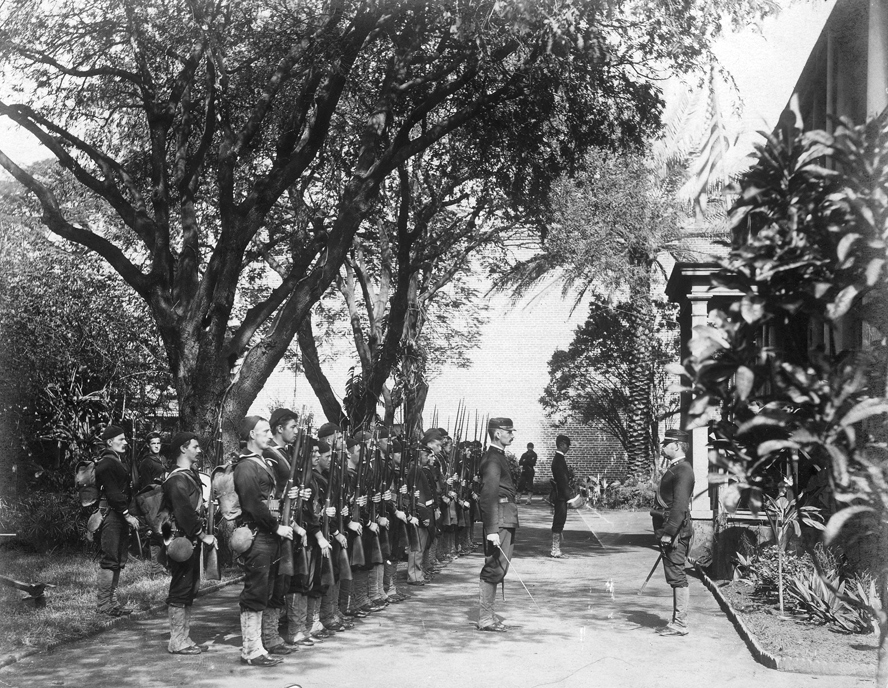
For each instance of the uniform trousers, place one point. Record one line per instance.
(260, 568)
(185, 581)
(495, 564)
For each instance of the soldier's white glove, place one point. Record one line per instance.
(355, 526)
(342, 540)
(374, 528)
(383, 522)
(330, 512)
(377, 497)
(387, 496)
(401, 515)
(285, 532)
(361, 501)
(414, 520)
(403, 489)
(494, 538)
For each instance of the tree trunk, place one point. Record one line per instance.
(311, 366)
(640, 414)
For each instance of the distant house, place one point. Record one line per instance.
(846, 75)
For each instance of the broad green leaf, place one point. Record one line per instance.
(676, 369)
(699, 405)
(842, 303)
(838, 520)
(730, 498)
(771, 446)
(873, 271)
(752, 308)
(864, 409)
(744, 379)
(845, 245)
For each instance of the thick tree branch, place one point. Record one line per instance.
(53, 218)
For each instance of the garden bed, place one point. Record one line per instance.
(798, 644)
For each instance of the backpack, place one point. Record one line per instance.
(152, 507)
(222, 481)
(85, 482)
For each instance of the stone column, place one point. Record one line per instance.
(700, 507)
(877, 59)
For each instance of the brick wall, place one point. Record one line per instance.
(593, 451)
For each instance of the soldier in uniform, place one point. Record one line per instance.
(184, 497)
(499, 515)
(674, 530)
(527, 464)
(115, 487)
(422, 518)
(561, 493)
(277, 455)
(152, 469)
(255, 483)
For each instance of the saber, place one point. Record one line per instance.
(519, 577)
(600, 541)
(653, 568)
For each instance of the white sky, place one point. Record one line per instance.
(509, 370)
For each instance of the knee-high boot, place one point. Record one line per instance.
(487, 597)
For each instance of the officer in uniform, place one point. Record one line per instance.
(255, 483)
(115, 487)
(561, 493)
(152, 469)
(674, 530)
(499, 515)
(183, 496)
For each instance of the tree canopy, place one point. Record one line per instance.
(214, 139)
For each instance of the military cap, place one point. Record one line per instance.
(281, 416)
(323, 447)
(328, 429)
(153, 435)
(500, 424)
(432, 435)
(246, 426)
(112, 431)
(351, 442)
(395, 446)
(179, 440)
(383, 433)
(362, 436)
(675, 436)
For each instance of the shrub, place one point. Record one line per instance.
(633, 494)
(44, 521)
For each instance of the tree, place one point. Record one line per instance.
(607, 228)
(590, 379)
(810, 231)
(76, 347)
(205, 131)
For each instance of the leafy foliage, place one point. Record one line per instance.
(811, 233)
(590, 380)
(77, 348)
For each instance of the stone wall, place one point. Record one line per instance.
(593, 451)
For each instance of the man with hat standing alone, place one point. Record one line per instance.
(561, 493)
(674, 530)
(499, 515)
(255, 483)
(184, 496)
(115, 487)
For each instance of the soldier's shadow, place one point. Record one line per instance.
(644, 618)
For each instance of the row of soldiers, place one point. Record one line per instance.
(321, 523)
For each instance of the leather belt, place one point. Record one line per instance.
(430, 502)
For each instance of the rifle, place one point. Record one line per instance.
(287, 566)
(305, 481)
(376, 556)
(337, 483)
(328, 576)
(210, 553)
(357, 557)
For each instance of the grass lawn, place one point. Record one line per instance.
(70, 607)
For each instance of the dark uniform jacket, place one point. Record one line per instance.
(254, 483)
(152, 469)
(560, 477)
(674, 494)
(279, 459)
(113, 480)
(425, 503)
(184, 496)
(528, 461)
(497, 497)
